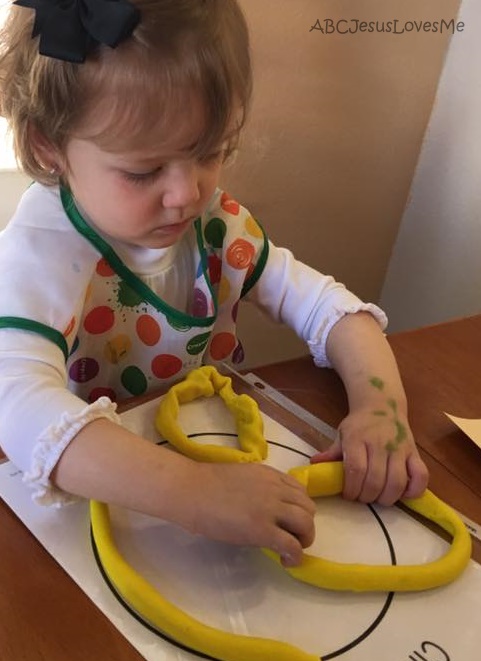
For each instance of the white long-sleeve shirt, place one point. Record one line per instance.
(52, 263)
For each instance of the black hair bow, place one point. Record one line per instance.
(70, 29)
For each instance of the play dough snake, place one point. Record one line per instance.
(320, 480)
(204, 382)
(171, 620)
(327, 480)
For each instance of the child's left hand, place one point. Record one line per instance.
(381, 461)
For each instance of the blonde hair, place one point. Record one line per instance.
(181, 50)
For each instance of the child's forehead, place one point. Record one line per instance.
(135, 126)
(143, 133)
(180, 133)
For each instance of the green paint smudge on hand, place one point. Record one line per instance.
(392, 404)
(401, 431)
(377, 382)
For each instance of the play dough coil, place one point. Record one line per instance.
(169, 619)
(327, 480)
(204, 382)
(323, 479)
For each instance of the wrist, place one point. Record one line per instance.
(376, 394)
(177, 493)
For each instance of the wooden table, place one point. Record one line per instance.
(44, 616)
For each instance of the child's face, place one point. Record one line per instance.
(149, 197)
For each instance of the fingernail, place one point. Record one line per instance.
(286, 559)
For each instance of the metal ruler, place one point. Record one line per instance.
(276, 396)
(473, 528)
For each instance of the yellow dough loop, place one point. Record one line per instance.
(204, 382)
(326, 479)
(169, 619)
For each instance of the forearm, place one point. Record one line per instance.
(65, 446)
(381, 461)
(237, 503)
(107, 462)
(307, 301)
(360, 353)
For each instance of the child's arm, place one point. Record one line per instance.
(381, 461)
(44, 426)
(237, 503)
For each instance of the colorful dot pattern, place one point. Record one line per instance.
(124, 346)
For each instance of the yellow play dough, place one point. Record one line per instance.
(327, 480)
(172, 621)
(204, 382)
(323, 479)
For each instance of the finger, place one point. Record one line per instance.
(333, 453)
(355, 468)
(375, 478)
(396, 480)
(300, 500)
(290, 481)
(288, 548)
(296, 494)
(418, 476)
(284, 478)
(296, 521)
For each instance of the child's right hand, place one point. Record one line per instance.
(254, 505)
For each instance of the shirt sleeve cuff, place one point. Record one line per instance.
(52, 443)
(317, 346)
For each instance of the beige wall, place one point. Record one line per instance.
(435, 270)
(334, 136)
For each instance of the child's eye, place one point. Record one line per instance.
(141, 177)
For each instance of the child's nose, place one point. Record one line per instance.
(182, 185)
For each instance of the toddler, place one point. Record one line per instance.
(124, 264)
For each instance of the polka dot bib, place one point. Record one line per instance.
(127, 340)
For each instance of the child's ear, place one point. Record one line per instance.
(46, 154)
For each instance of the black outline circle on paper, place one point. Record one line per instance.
(325, 657)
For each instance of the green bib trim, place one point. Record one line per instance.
(20, 323)
(133, 281)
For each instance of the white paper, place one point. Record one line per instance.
(470, 426)
(240, 590)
